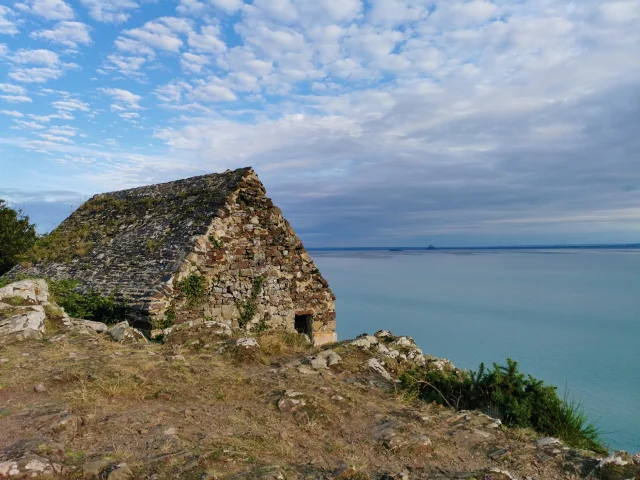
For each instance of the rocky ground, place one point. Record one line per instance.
(78, 401)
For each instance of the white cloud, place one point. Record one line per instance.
(65, 130)
(461, 14)
(620, 12)
(48, 66)
(3, 49)
(213, 91)
(61, 115)
(12, 113)
(395, 12)
(172, 92)
(71, 105)
(35, 57)
(16, 98)
(22, 124)
(124, 98)
(191, 7)
(208, 40)
(128, 66)
(229, 6)
(242, 82)
(129, 45)
(129, 115)
(7, 26)
(55, 138)
(70, 34)
(35, 74)
(12, 89)
(110, 11)
(329, 11)
(193, 63)
(49, 9)
(371, 45)
(162, 33)
(243, 59)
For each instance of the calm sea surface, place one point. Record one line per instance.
(569, 317)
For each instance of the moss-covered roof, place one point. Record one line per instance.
(131, 239)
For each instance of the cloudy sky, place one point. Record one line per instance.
(371, 122)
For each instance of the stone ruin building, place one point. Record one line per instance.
(212, 247)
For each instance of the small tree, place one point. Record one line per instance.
(17, 235)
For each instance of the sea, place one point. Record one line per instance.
(568, 317)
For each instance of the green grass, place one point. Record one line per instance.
(519, 400)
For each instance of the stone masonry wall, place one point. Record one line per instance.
(256, 242)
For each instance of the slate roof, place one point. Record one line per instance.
(131, 239)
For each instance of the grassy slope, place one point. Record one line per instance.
(216, 414)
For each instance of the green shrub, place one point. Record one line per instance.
(193, 287)
(90, 306)
(519, 400)
(17, 236)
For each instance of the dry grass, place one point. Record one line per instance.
(213, 414)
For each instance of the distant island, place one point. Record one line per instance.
(496, 247)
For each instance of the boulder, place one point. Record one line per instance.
(405, 342)
(121, 472)
(123, 333)
(375, 365)
(26, 323)
(34, 291)
(547, 441)
(289, 402)
(94, 468)
(30, 465)
(97, 327)
(247, 342)
(333, 358)
(383, 334)
(365, 341)
(324, 360)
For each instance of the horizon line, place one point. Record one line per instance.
(493, 247)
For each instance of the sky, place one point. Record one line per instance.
(371, 123)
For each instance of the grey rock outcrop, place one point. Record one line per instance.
(123, 333)
(97, 327)
(22, 313)
(375, 365)
(25, 324)
(34, 291)
(247, 342)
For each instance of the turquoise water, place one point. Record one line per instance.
(569, 317)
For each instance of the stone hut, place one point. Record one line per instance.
(208, 247)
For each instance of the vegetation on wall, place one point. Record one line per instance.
(167, 321)
(215, 242)
(517, 399)
(193, 287)
(249, 307)
(17, 235)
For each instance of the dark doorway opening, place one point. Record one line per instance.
(304, 324)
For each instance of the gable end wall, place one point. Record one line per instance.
(257, 241)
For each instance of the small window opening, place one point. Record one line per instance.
(304, 324)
